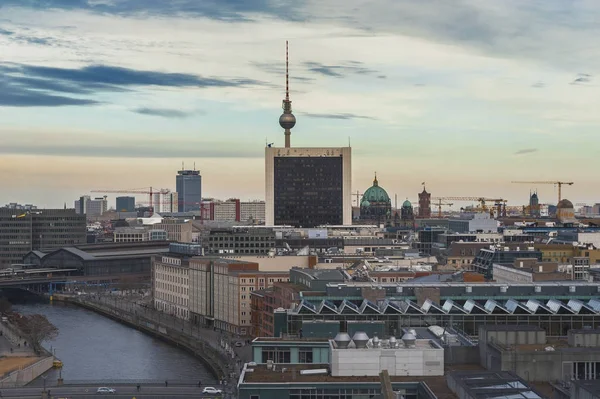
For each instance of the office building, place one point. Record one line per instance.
(308, 187)
(23, 231)
(85, 205)
(240, 240)
(125, 204)
(189, 190)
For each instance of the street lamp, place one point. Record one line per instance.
(44, 378)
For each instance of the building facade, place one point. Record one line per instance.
(424, 204)
(189, 190)
(85, 205)
(308, 187)
(125, 204)
(240, 241)
(24, 231)
(171, 285)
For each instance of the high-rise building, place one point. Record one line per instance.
(189, 190)
(306, 187)
(165, 202)
(125, 204)
(91, 207)
(24, 231)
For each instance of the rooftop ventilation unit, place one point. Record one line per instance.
(409, 340)
(538, 288)
(504, 288)
(469, 289)
(572, 288)
(376, 342)
(393, 342)
(360, 339)
(342, 340)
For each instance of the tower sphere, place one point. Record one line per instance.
(287, 121)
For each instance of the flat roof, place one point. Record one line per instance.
(491, 384)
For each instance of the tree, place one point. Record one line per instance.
(36, 329)
(5, 306)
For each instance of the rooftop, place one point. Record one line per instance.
(490, 384)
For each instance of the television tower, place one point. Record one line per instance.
(287, 120)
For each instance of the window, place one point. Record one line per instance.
(254, 397)
(305, 355)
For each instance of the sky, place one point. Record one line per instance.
(464, 95)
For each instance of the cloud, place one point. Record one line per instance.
(526, 151)
(155, 149)
(227, 10)
(5, 32)
(338, 71)
(344, 116)
(582, 78)
(163, 112)
(24, 83)
(538, 85)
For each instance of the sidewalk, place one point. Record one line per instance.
(18, 347)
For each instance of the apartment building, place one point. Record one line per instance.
(171, 285)
(234, 210)
(221, 288)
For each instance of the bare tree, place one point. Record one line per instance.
(36, 329)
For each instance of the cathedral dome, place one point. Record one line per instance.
(375, 194)
(406, 204)
(565, 203)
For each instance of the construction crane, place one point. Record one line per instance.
(498, 202)
(556, 183)
(439, 205)
(146, 190)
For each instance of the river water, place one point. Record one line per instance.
(93, 347)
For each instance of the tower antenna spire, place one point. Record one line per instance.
(287, 74)
(287, 120)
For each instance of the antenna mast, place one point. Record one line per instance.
(287, 120)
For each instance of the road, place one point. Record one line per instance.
(129, 392)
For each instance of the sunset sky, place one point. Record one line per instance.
(466, 95)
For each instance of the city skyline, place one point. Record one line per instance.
(115, 94)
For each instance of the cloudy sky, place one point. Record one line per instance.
(466, 95)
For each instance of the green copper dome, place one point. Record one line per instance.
(375, 194)
(406, 204)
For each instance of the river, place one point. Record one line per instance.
(93, 347)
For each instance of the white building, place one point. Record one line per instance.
(225, 211)
(171, 286)
(299, 181)
(165, 203)
(91, 207)
(252, 211)
(364, 356)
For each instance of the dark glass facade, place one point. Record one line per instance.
(308, 191)
(189, 190)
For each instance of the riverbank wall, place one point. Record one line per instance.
(218, 362)
(23, 374)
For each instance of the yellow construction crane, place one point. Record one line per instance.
(556, 183)
(439, 205)
(498, 202)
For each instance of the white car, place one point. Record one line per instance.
(106, 390)
(212, 391)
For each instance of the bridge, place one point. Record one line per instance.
(126, 389)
